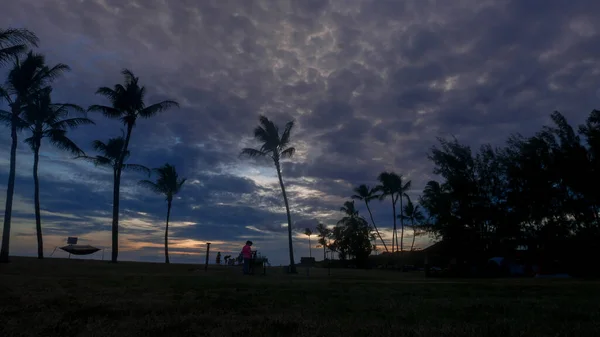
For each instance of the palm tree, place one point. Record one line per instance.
(169, 184)
(366, 194)
(412, 213)
(24, 82)
(49, 120)
(14, 42)
(389, 185)
(110, 155)
(127, 105)
(308, 232)
(404, 187)
(276, 147)
(324, 233)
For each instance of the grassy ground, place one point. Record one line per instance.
(57, 297)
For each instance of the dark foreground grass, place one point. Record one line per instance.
(56, 297)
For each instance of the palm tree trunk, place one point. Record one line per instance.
(115, 220)
(401, 225)
(292, 269)
(394, 230)
(116, 196)
(10, 189)
(375, 226)
(167, 232)
(309, 248)
(412, 246)
(36, 198)
(324, 252)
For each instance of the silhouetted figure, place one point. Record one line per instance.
(247, 256)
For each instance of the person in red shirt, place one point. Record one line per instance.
(247, 256)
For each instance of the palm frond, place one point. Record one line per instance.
(152, 186)
(106, 111)
(9, 53)
(98, 160)
(72, 123)
(154, 109)
(285, 137)
(4, 95)
(5, 117)
(31, 141)
(109, 93)
(289, 152)
(18, 36)
(137, 168)
(99, 146)
(59, 139)
(252, 153)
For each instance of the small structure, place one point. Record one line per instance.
(73, 248)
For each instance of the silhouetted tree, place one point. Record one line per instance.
(25, 80)
(308, 232)
(352, 235)
(45, 119)
(14, 42)
(366, 194)
(323, 233)
(413, 214)
(276, 147)
(110, 155)
(127, 105)
(391, 184)
(169, 184)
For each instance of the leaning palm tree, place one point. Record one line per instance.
(275, 146)
(168, 184)
(14, 42)
(308, 232)
(25, 80)
(45, 119)
(111, 155)
(413, 214)
(366, 194)
(127, 105)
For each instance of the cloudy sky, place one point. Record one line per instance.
(370, 84)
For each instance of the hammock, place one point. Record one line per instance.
(80, 249)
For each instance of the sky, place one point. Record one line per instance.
(369, 83)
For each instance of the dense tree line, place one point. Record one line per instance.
(540, 191)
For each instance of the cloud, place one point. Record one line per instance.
(370, 84)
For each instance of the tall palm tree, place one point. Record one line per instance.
(413, 214)
(111, 155)
(323, 233)
(45, 119)
(25, 80)
(127, 105)
(14, 42)
(366, 194)
(276, 147)
(404, 187)
(389, 185)
(308, 232)
(168, 184)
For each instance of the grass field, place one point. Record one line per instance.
(58, 297)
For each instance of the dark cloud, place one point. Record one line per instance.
(370, 83)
